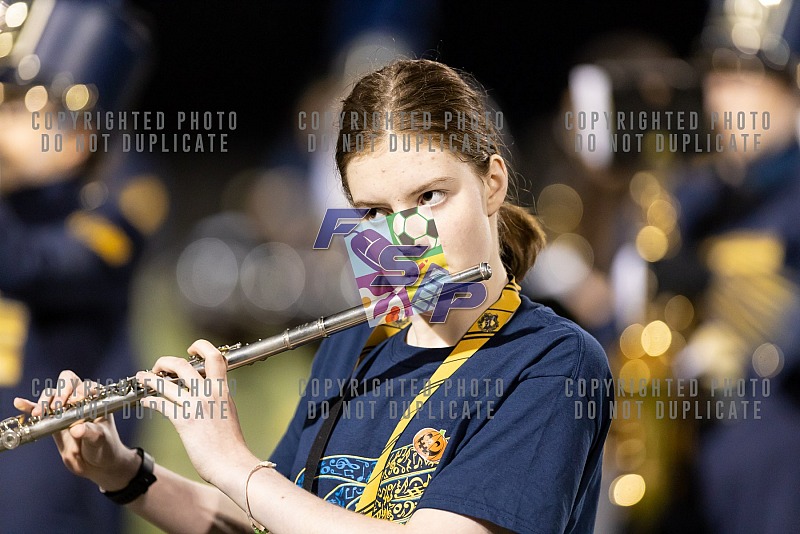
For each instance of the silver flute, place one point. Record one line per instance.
(105, 399)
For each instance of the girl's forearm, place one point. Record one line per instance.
(282, 506)
(178, 505)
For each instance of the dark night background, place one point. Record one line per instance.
(255, 58)
(228, 54)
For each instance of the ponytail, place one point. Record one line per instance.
(521, 239)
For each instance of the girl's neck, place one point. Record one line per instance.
(423, 333)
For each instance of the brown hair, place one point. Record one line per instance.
(444, 94)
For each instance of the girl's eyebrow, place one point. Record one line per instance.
(364, 204)
(427, 186)
(439, 180)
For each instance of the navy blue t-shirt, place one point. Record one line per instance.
(500, 440)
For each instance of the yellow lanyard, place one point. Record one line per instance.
(491, 321)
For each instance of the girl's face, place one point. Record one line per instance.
(464, 204)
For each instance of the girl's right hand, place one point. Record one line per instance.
(93, 449)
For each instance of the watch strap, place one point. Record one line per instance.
(139, 483)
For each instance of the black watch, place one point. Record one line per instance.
(138, 484)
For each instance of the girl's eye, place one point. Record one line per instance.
(376, 212)
(431, 198)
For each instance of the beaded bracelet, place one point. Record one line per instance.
(258, 528)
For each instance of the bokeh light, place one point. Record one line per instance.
(656, 338)
(560, 208)
(273, 276)
(36, 98)
(679, 312)
(768, 360)
(6, 44)
(208, 272)
(644, 188)
(563, 265)
(28, 67)
(652, 243)
(662, 214)
(630, 454)
(627, 490)
(630, 341)
(77, 97)
(16, 14)
(633, 373)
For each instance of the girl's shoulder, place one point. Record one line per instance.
(547, 344)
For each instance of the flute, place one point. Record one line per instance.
(16, 431)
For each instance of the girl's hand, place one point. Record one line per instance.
(200, 409)
(92, 450)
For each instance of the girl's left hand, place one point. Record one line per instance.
(200, 409)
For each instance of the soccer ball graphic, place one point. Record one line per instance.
(416, 227)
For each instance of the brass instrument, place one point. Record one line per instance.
(16, 431)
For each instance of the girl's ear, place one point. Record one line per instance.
(496, 184)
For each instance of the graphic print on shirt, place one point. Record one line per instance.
(408, 472)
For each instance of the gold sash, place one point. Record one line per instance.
(489, 323)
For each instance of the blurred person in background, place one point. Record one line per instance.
(73, 225)
(739, 266)
(585, 198)
(598, 206)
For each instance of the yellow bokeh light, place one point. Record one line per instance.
(36, 98)
(77, 97)
(652, 243)
(679, 312)
(663, 215)
(627, 490)
(16, 14)
(630, 454)
(560, 207)
(6, 44)
(630, 341)
(633, 373)
(656, 338)
(644, 188)
(678, 344)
